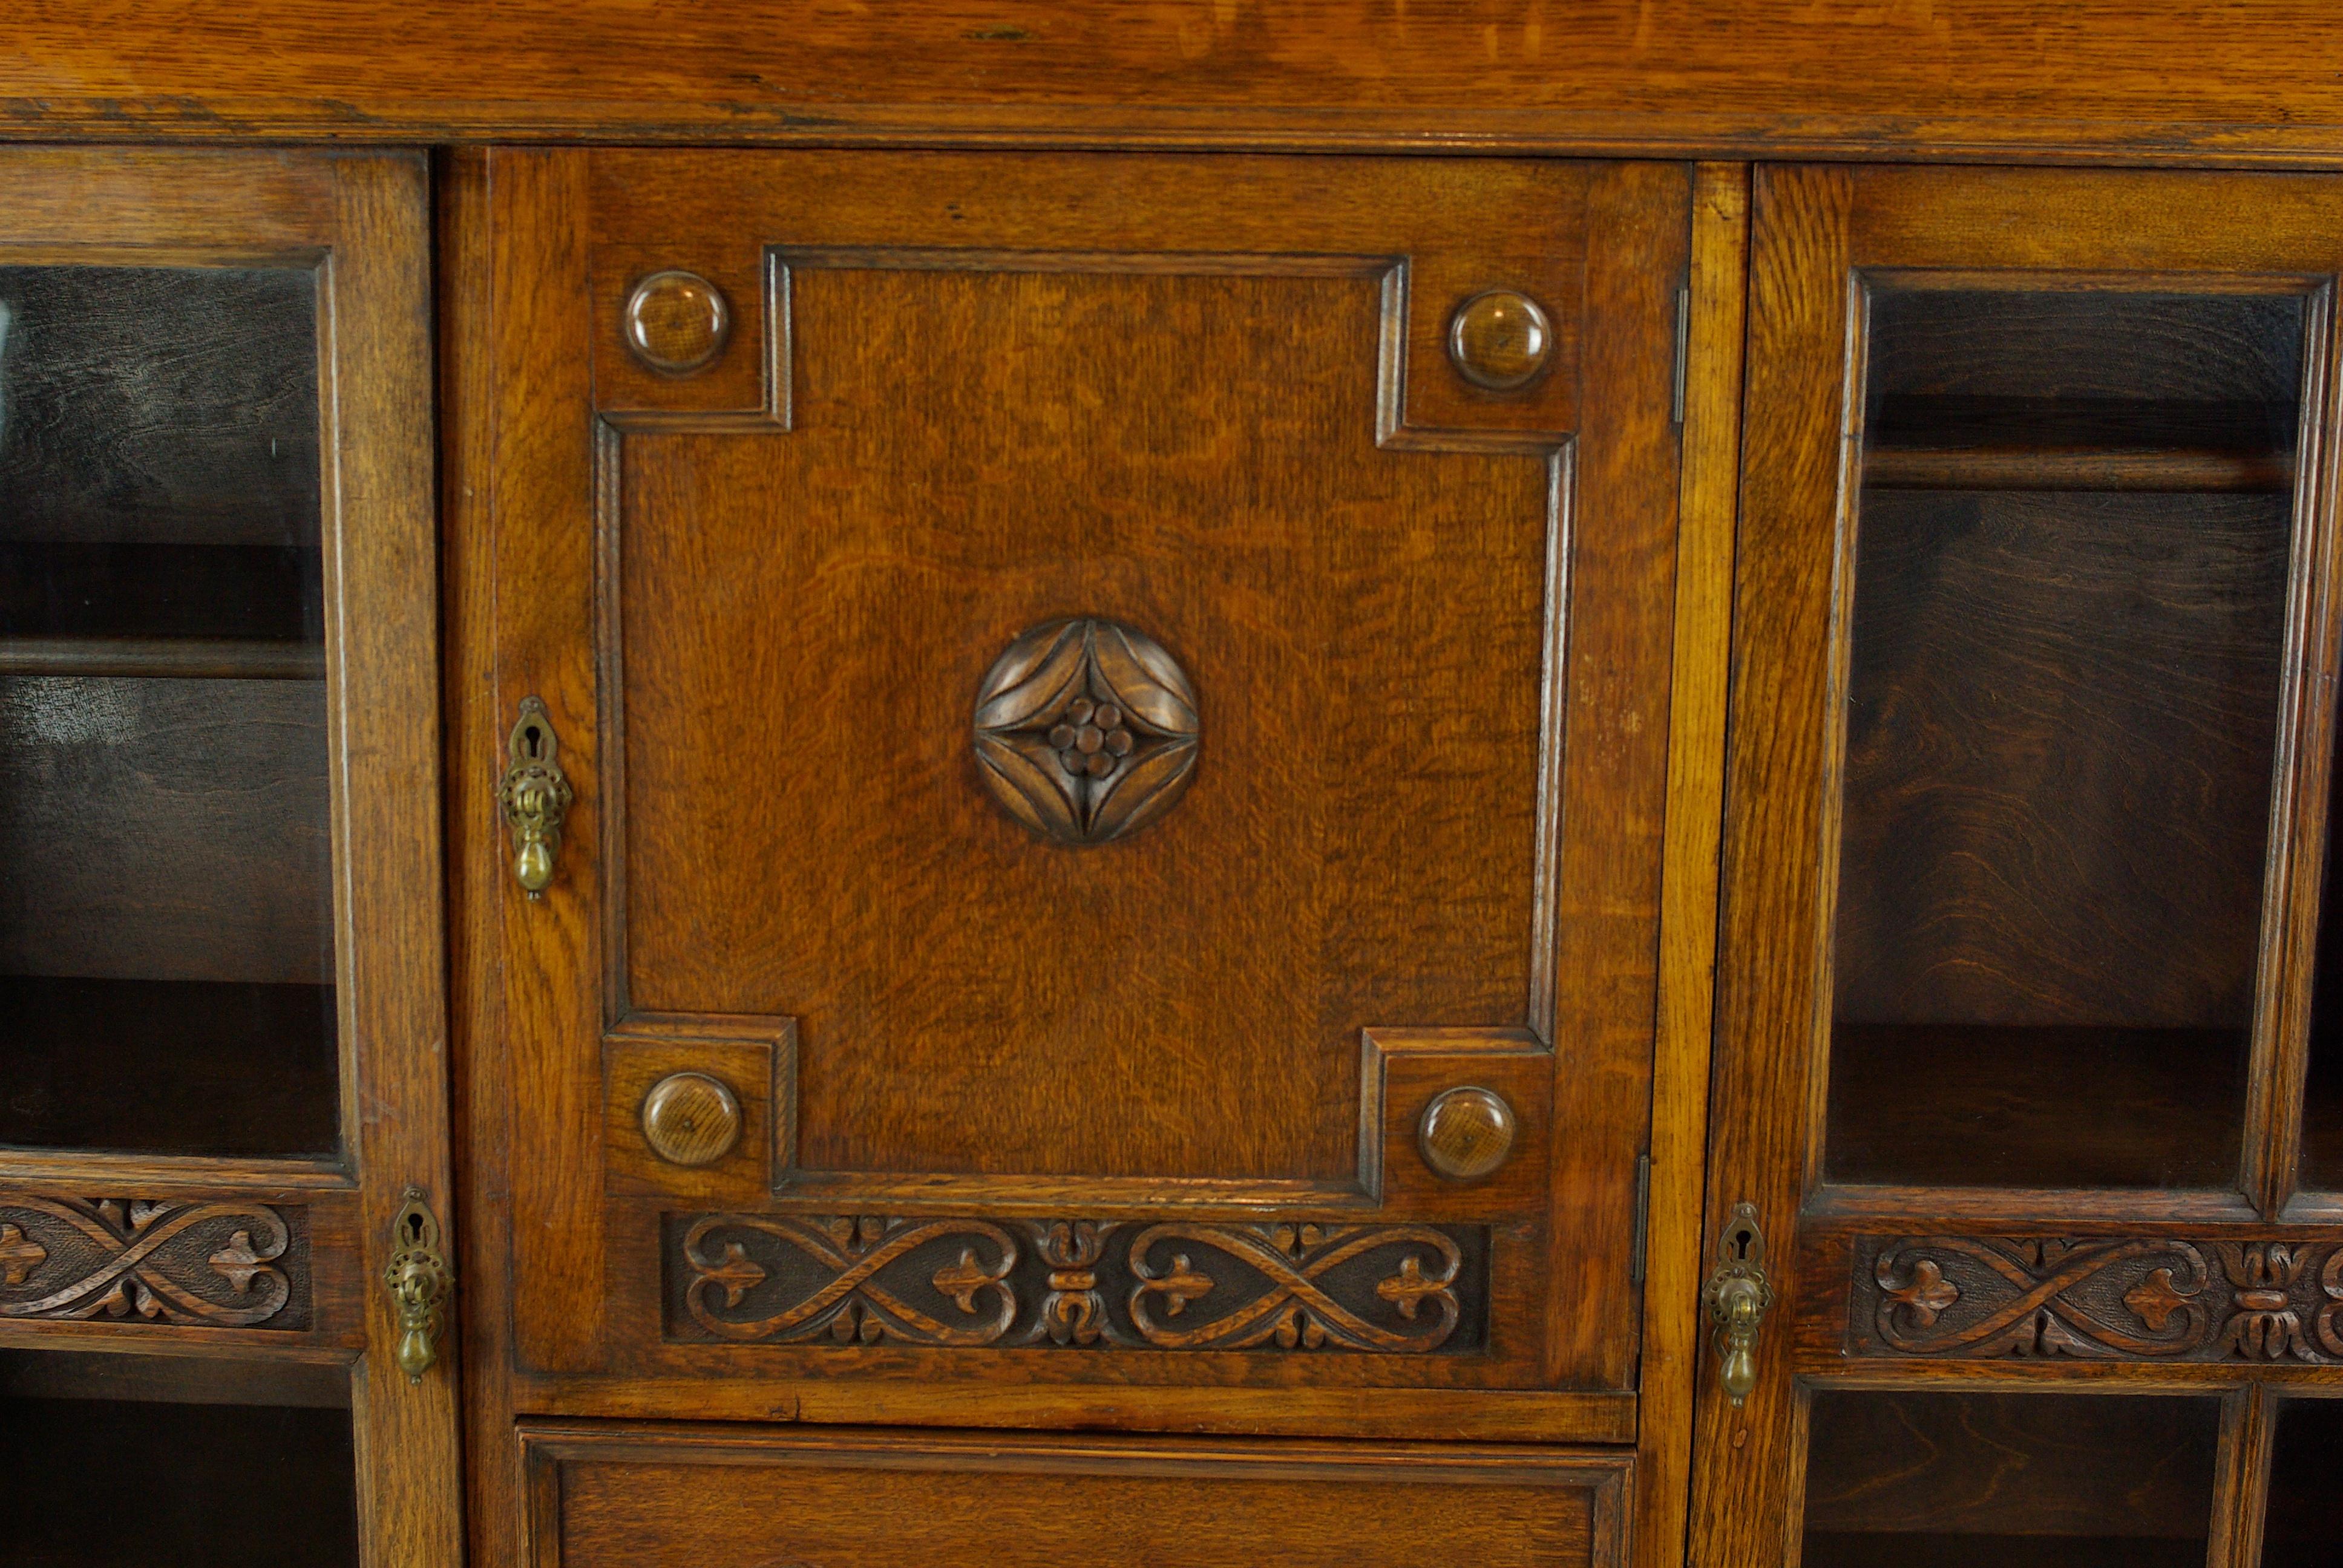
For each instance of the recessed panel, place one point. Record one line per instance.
(905, 1500)
(810, 616)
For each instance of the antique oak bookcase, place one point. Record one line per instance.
(1195, 783)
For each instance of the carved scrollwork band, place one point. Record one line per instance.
(215, 1264)
(2161, 1298)
(1077, 1283)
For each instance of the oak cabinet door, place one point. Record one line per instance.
(221, 990)
(1110, 718)
(2026, 830)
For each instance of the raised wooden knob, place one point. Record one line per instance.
(691, 1118)
(677, 322)
(1467, 1134)
(1500, 340)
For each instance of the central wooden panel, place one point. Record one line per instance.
(1102, 1109)
(807, 615)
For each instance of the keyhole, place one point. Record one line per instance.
(532, 741)
(411, 1230)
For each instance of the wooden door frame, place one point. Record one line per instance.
(362, 220)
(1815, 230)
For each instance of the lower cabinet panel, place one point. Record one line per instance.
(613, 1496)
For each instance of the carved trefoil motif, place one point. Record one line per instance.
(1086, 730)
(2161, 1298)
(213, 1264)
(1394, 1289)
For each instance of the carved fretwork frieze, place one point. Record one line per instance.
(212, 1264)
(1077, 1283)
(2149, 1297)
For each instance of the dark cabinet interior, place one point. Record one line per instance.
(198, 1462)
(2073, 539)
(2298, 1531)
(164, 803)
(2022, 1480)
(2322, 1101)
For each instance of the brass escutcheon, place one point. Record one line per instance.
(1738, 1296)
(535, 796)
(419, 1283)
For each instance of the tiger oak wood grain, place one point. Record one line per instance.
(601, 1495)
(1675, 1339)
(1957, 78)
(474, 725)
(1967, 1463)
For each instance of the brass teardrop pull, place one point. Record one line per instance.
(535, 796)
(1738, 1297)
(419, 1283)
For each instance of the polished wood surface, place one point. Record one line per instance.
(1162, 358)
(610, 1495)
(1956, 78)
(1676, 1258)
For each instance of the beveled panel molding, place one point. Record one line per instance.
(1082, 1283)
(2159, 1298)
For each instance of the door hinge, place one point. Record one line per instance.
(1683, 347)
(1643, 1219)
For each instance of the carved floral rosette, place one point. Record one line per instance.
(1394, 1289)
(2145, 1297)
(1086, 730)
(210, 1264)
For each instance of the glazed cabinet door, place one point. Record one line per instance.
(2022, 978)
(223, 1124)
(1066, 768)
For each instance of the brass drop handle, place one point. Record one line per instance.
(419, 1283)
(535, 795)
(1738, 1297)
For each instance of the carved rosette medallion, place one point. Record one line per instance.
(1079, 1283)
(217, 1265)
(2147, 1297)
(1085, 730)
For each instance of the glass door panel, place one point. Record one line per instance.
(2018, 1480)
(2321, 1167)
(2035, 632)
(2299, 1529)
(166, 922)
(2071, 556)
(226, 1463)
